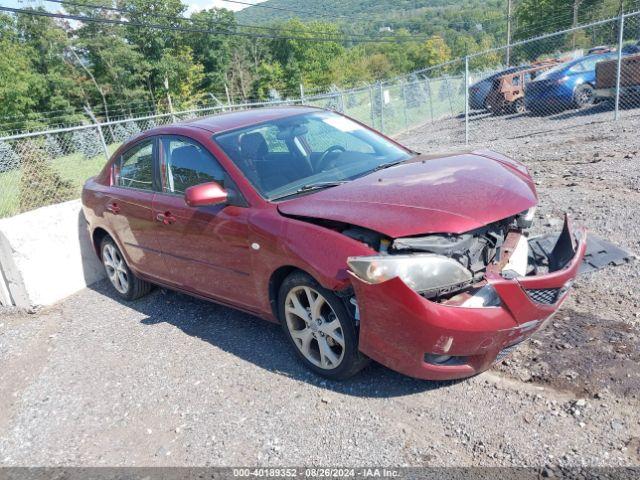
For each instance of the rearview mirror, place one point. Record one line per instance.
(210, 193)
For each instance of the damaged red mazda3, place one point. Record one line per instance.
(361, 248)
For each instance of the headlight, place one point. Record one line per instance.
(525, 219)
(421, 272)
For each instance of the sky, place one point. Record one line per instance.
(194, 5)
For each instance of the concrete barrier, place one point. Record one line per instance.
(46, 255)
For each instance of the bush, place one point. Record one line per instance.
(9, 160)
(52, 147)
(120, 133)
(87, 142)
(40, 184)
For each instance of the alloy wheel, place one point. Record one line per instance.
(314, 327)
(116, 268)
(585, 97)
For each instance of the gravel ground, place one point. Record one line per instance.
(171, 380)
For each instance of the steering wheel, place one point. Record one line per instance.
(325, 157)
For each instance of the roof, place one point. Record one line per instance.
(244, 118)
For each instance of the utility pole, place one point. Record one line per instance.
(509, 32)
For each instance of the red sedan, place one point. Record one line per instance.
(358, 246)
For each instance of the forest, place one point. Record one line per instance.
(128, 57)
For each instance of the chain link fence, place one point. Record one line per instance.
(556, 81)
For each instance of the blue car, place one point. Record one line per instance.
(479, 91)
(568, 85)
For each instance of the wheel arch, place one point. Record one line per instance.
(97, 236)
(275, 281)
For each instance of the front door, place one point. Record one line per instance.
(129, 209)
(205, 248)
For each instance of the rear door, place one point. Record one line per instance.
(129, 208)
(205, 248)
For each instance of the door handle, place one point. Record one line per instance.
(114, 208)
(165, 218)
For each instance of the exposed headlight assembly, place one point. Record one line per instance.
(423, 273)
(525, 219)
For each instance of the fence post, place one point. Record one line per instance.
(372, 107)
(381, 107)
(430, 97)
(446, 82)
(95, 120)
(226, 91)
(343, 105)
(619, 67)
(466, 100)
(404, 105)
(302, 94)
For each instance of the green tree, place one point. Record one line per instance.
(212, 51)
(47, 42)
(306, 62)
(183, 75)
(433, 51)
(20, 85)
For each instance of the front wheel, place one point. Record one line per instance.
(123, 280)
(584, 96)
(320, 328)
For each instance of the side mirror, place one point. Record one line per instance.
(205, 194)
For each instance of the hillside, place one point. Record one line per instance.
(410, 14)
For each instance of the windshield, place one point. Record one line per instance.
(552, 71)
(290, 155)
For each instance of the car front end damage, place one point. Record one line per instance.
(443, 307)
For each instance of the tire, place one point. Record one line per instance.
(518, 106)
(584, 96)
(316, 338)
(124, 282)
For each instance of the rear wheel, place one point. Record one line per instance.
(584, 96)
(123, 280)
(320, 328)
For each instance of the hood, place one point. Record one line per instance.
(427, 194)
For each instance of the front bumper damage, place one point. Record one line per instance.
(404, 331)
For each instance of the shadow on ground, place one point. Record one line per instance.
(260, 342)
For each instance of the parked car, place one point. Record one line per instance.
(479, 91)
(569, 85)
(360, 247)
(631, 49)
(507, 92)
(600, 49)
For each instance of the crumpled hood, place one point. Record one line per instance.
(427, 194)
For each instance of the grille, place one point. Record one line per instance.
(506, 351)
(548, 296)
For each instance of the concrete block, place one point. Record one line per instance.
(46, 255)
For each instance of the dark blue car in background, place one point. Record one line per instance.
(569, 85)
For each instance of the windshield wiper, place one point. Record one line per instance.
(310, 187)
(319, 185)
(387, 165)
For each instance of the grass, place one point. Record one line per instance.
(73, 167)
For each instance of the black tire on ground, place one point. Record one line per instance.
(352, 360)
(518, 106)
(135, 287)
(584, 96)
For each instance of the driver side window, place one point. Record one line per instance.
(186, 163)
